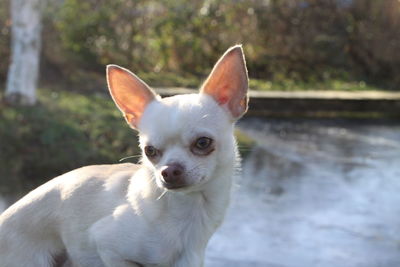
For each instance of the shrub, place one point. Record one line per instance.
(62, 132)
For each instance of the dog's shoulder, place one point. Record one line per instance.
(84, 181)
(106, 171)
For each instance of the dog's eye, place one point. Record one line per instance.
(150, 151)
(203, 146)
(203, 143)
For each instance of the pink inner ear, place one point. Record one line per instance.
(223, 100)
(131, 94)
(223, 96)
(228, 82)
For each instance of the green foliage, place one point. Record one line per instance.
(302, 41)
(192, 34)
(286, 42)
(150, 35)
(101, 32)
(64, 131)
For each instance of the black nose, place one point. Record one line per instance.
(173, 175)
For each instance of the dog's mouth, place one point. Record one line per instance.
(183, 187)
(170, 186)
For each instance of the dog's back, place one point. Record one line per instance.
(44, 209)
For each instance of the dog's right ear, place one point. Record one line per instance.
(228, 82)
(129, 92)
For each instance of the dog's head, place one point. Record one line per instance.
(186, 139)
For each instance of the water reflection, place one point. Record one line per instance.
(315, 193)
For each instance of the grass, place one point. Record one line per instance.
(283, 84)
(172, 80)
(328, 85)
(65, 130)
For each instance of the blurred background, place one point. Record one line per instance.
(320, 144)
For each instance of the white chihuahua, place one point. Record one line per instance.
(159, 213)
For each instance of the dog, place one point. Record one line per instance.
(161, 212)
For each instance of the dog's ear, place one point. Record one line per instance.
(129, 92)
(228, 82)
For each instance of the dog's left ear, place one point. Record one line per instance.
(228, 82)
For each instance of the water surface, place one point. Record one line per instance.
(315, 193)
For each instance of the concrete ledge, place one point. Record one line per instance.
(315, 103)
(363, 95)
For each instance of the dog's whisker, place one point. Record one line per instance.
(162, 194)
(195, 168)
(134, 156)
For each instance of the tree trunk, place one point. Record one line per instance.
(23, 72)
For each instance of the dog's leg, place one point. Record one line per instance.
(111, 259)
(67, 263)
(190, 259)
(111, 242)
(123, 263)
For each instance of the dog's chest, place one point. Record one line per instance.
(183, 228)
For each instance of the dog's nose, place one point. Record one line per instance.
(173, 175)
